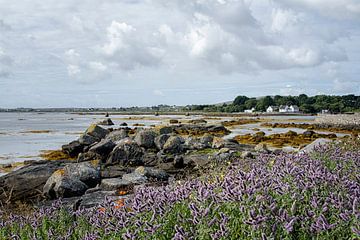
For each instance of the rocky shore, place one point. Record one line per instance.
(112, 162)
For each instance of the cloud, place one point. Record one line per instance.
(129, 48)
(4, 26)
(343, 9)
(6, 63)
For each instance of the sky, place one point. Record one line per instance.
(112, 53)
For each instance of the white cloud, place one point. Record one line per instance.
(129, 48)
(73, 70)
(158, 92)
(6, 63)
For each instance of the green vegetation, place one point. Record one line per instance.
(314, 104)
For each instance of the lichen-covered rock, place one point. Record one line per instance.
(113, 184)
(97, 131)
(262, 148)
(161, 140)
(126, 153)
(26, 183)
(103, 148)
(87, 139)
(73, 148)
(117, 135)
(73, 180)
(135, 178)
(145, 138)
(106, 122)
(173, 145)
(152, 173)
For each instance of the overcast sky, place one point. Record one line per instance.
(129, 52)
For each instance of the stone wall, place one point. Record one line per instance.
(338, 119)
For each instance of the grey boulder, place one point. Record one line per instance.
(126, 153)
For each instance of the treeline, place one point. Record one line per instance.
(313, 104)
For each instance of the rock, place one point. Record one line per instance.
(173, 145)
(149, 172)
(6, 165)
(62, 186)
(198, 121)
(192, 143)
(174, 121)
(207, 140)
(113, 171)
(218, 143)
(73, 148)
(145, 138)
(103, 148)
(291, 134)
(308, 133)
(87, 139)
(73, 180)
(165, 130)
(117, 135)
(113, 184)
(26, 183)
(135, 178)
(85, 172)
(97, 131)
(161, 140)
(179, 162)
(106, 122)
(124, 124)
(262, 148)
(150, 158)
(224, 150)
(127, 153)
(312, 146)
(88, 156)
(246, 154)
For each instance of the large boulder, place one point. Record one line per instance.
(61, 186)
(173, 145)
(88, 156)
(103, 148)
(106, 122)
(145, 138)
(262, 148)
(73, 148)
(113, 184)
(152, 173)
(135, 178)
(161, 140)
(26, 183)
(207, 140)
(87, 140)
(97, 131)
(73, 180)
(165, 130)
(126, 153)
(117, 135)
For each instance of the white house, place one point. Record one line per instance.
(289, 109)
(250, 110)
(271, 109)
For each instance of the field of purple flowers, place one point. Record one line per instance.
(286, 196)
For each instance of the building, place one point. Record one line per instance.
(289, 109)
(250, 110)
(271, 109)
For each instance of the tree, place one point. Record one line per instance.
(264, 103)
(240, 100)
